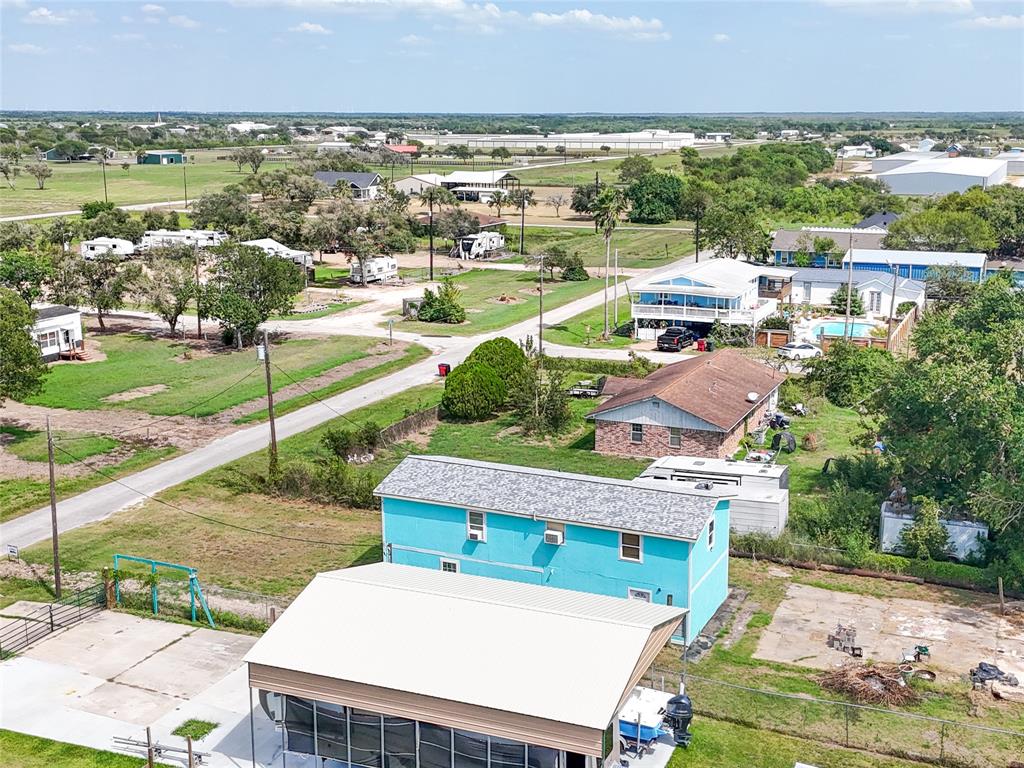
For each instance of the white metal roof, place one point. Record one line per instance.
(729, 276)
(275, 248)
(534, 650)
(476, 177)
(957, 166)
(920, 258)
(719, 466)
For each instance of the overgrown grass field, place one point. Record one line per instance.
(638, 248)
(585, 329)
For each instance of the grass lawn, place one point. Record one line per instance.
(138, 360)
(30, 445)
(13, 589)
(584, 330)
(21, 751)
(24, 494)
(570, 175)
(481, 289)
(331, 309)
(638, 249)
(197, 729)
(330, 277)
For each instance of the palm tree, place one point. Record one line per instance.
(609, 207)
(499, 200)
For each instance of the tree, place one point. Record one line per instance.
(473, 391)
(225, 210)
(11, 153)
(838, 301)
(94, 208)
(584, 196)
(560, 150)
(655, 198)
(540, 401)
(949, 284)
(249, 286)
(254, 157)
(25, 272)
(926, 538)
(60, 232)
(69, 149)
(609, 207)
(500, 153)
(105, 283)
(521, 198)
(126, 167)
(115, 223)
(40, 172)
(10, 171)
(634, 168)
(695, 199)
(541, 149)
(461, 152)
(21, 368)
(15, 235)
(558, 202)
(505, 358)
(499, 199)
(605, 148)
(734, 228)
(238, 158)
(848, 375)
(445, 306)
(455, 223)
(690, 158)
(934, 229)
(170, 285)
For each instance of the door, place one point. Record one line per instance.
(875, 301)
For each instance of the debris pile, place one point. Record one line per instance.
(869, 684)
(985, 672)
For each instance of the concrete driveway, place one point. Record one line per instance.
(115, 674)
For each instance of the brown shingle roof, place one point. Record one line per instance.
(712, 387)
(791, 239)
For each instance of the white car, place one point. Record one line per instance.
(799, 350)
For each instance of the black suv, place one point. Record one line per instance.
(676, 338)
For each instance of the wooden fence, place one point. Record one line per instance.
(772, 337)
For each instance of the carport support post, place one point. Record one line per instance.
(252, 731)
(53, 512)
(149, 748)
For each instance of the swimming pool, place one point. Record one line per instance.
(838, 328)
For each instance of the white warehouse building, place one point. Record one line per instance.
(650, 140)
(944, 175)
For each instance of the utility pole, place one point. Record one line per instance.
(522, 222)
(540, 320)
(597, 191)
(199, 309)
(53, 512)
(615, 293)
(184, 177)
(892, 309)
(103, 165)
(431, 216)
(847, 330)
(270, 405)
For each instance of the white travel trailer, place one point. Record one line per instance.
(379, 269)
(478, 246)
(761, 501)
(273, 248)
(107, 246)
(194, 238)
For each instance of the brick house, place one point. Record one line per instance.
(702, 406)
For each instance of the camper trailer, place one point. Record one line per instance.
(107, 247)
(193, 238)
(478, 246)
(378, 269)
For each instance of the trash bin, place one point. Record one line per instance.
(709, 345)
(443, 369)
(701, 345)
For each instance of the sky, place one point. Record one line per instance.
(507, 56)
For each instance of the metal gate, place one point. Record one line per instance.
(18, 634)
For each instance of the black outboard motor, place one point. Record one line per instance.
(679, 714)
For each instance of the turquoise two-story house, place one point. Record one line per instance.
(642, 540)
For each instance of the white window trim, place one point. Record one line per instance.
(483, 524)
(445, 561)
(632, 432)
(648, 592)
(639, 546)
(675, 437)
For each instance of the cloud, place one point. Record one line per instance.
(414, 40)
(43, 15)
(26, 48)
(128, 37)
(310, 28)
(150, 8)
(581, 18)
(183, 21)
(890, 7)
(995, 22)
(720, 37)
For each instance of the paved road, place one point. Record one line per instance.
(103, 501)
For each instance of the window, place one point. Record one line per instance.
(476, 526)
(636, 433)
(675, 437)
(399, 742)
(331, 731)
(298, 724)
(450, 566)
(48, 339)
(629, 546)
(435, 746)
(470, 750)
(711, 534)
(365, 736)
(638, 594)
(875, 301)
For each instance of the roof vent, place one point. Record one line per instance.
(705, 485)
(752, 397)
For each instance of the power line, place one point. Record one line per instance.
(191, 407)
(206, 518)
(314, 396)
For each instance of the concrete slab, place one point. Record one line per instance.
(108, 644)
(959, 637)
(126, 703)
(21, 608)
(187, 666)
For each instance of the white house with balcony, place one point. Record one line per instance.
(724, 290)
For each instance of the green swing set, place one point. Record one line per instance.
(194, 590)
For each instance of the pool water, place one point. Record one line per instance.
(838, 328)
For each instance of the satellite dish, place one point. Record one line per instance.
(752, 397)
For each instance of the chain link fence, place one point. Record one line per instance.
(873, 729)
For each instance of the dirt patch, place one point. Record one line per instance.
(134, 394)
(739, 624)
(505, 299)
(377, 355)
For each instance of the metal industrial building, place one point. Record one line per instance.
(944, 175)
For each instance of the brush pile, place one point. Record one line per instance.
(869, 684)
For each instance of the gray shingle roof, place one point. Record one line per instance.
(561, 496)
(54, 310)
(792, 239)
(356, 179)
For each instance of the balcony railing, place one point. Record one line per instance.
(745, 316)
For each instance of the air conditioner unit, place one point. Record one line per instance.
(554, 537)
(476, 536)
